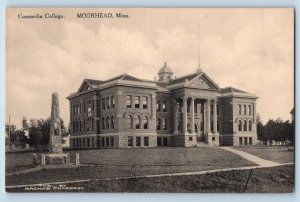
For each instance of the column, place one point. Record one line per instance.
(203, 105)
(153, 106)
(175, 116)
(215, 116)
(184, 122)
(193, 115)
(208, 115)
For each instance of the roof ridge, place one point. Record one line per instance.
(184, 76)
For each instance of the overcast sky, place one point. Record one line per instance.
(249, 49)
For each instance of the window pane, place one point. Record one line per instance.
(128, 101)
(137, 102)
(145, 102)
(130, 141)
(138, 141)
(138, 122)
(164, 106)
(146, 141)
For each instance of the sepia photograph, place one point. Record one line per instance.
(150, 100)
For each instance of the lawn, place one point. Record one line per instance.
(110, 163)
(279, 154)
(263, 180)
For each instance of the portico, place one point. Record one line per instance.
(195, 120)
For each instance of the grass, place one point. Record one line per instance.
(264, 180)
(109, 163)
(279, 154)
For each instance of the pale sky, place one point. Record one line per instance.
(249, 49)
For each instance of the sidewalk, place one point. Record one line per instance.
(259, 161)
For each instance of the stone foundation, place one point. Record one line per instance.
(212, 139)
(55, 159)
(189, 140)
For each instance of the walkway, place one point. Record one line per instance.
(259, 161)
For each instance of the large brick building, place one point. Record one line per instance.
(192, 110)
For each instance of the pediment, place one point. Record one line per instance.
(202, 81)
(85, 86)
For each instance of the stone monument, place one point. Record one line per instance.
(56, 155)
(55, 144)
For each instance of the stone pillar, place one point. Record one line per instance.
(215, 119)
(175, 116)
(208, 115)
(43, 161)
(184, 121)
(153, 106)
(203, 105)
(76, 158)
(193, 115)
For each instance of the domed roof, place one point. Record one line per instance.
(165, 69)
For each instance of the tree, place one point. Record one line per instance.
(259, 126)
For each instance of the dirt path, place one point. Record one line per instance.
(259, 161)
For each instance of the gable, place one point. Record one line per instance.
(85, 86)
(202, 81)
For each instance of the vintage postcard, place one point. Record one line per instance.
(150, 100)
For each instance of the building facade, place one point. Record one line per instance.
(125, 112)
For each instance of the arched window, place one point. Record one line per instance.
(145, 123)
(138, 122)
(107, 123)
(245, 125)
(112, 119)
(89, 111)
(240, 125)
(196, 128)
(129, 121)
(158, 123)
(103, 123)
(250, 125)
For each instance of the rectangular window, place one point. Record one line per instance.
(130, 141)
(164, 124)
(250, 140)
(108, 102)
(136, 102)
(157, 105)
(249, 109)
(213, 138)
(164, 106)
(146, 141)
(102, 142)
(211, 109)
(128, 101)
(165, 141)
(190, 138)
(245, 140)
(107, 142)
(88, 142)
(245, 109)
(145, 102)
(159, 141)
(83, 142)
(103, 103)
(138, 141)
(218, 125)
(240, 140)
(218, 110)
(240, 109)
(112, 102)
(93, 142)
(112, 141)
